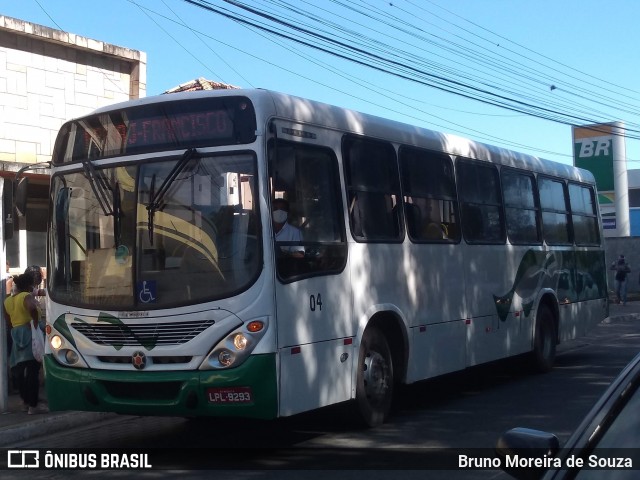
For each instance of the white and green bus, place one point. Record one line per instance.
(418, 254)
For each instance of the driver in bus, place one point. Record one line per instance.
(283, 230)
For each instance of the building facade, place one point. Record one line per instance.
(47, 77)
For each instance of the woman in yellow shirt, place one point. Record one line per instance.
(20, 310)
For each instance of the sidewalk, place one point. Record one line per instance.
(631, 309)
(16, 426)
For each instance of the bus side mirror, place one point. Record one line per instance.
(7, 208)
(21, 196)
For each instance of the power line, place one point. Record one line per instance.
(540, 78)
(398, 68)
(556, 83)
(207, 45)
(431, 116)
(47, 14)
(144, 11)
(411, 107)
(532, 51)
(482, 59)
(388, 59)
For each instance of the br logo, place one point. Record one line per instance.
(595, 148)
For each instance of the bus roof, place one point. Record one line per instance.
(272, 104)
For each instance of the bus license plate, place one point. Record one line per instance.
(230, 395)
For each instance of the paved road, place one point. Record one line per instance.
(468, 409)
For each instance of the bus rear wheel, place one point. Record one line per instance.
(374, 388)
(544, 343)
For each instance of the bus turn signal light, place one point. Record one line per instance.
(255, 326)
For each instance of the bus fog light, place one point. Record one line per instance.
(225, 357)
(56, 342)
(240, 341)
(71, 357)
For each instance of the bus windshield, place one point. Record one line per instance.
(115, 243)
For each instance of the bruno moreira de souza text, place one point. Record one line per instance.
(516, 461)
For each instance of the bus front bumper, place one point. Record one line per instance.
(249, 390)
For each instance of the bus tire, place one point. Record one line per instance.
(374, 387)
(544, 342)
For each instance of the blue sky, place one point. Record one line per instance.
(569, 55)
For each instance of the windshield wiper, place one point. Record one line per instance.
(108, 198)
(116, 213)
(150, 210)
(156, 198)
(99, 187)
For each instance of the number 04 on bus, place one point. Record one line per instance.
(249, 253)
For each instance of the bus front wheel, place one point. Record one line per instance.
(374, 388)
(544, 342)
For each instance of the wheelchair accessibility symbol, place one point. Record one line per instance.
(147, 291)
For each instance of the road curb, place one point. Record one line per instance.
(48, 424)
(625, 317)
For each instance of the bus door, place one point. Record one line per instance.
(312, 285)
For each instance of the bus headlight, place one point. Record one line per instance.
(240, 341)
(56, 342)
(236, 346)
(225, 357)
(64, 352)
(71, 357)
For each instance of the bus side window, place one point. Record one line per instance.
(584, 214)
(556, 225)
(481, 202)
(373, 216)
(522, 209)
(430, 195)
(373, 189)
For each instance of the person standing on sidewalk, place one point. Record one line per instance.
(36, 273)
(20, 310)
(622, 269)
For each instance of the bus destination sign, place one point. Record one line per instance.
(156, 127)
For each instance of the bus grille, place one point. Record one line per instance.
(163, 360)
(146, 334)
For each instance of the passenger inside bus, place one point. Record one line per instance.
(423, 220)
(432, 229)
(284, 231)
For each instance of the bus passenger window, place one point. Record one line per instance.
(430, 202)
(555, 211)
(481, 199)
(584, 215)
(373, 190)
(521, 207)
(373, 216)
